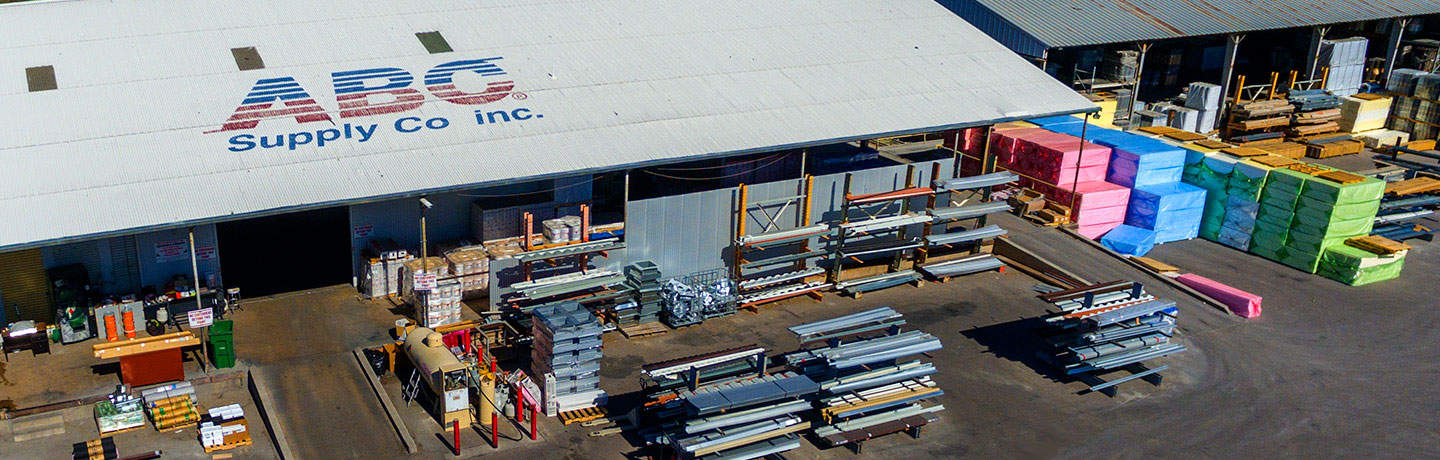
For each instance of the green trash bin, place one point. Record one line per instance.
(222, 344)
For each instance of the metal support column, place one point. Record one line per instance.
(1232, 46)
(904, 209)
(1135, 89)
(929, 204)
(834, 275)
(1312, 57)
(1392, 46)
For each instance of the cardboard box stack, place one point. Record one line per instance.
(567, 352)
(435, 307)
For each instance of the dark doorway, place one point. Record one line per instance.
(285, 253)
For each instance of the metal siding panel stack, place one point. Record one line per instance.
(567, 352)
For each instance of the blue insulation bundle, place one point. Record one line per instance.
(1172, 210)
(1129, 240)
(1049, 122)
(1138, 161)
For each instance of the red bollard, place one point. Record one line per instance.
(456, 424)
(519, 406)
(495, 428)
(532, 422)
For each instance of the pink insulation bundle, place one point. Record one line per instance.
(1240, 302)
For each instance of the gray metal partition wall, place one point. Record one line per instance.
(688, 233)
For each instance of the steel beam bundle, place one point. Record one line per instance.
(571, 250)
(969, 211)
(965, 236)
(866, 227)
(565, 284)
(966, 266)
(877, 282)
(1106, 327)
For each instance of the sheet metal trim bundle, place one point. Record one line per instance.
(846, 384)
(1104, 327)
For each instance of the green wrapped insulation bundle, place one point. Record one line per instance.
(1326, 214)
(1355, 266)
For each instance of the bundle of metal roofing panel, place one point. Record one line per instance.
(1310, 100)
(867, 391)
(738, 418)
(642, 279)
(565, 284)
(969, 211)
(877, 282)
(1101, 328)
(991, 231)
(566, 352)
(973, 264)
(975, 182)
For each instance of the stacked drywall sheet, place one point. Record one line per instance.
(1129, 240)
(1204, 99)
(1172, 210)
(567, 352)
(1416, 108)
(1326, 214)
(1379, 138)
(1346, 59)
(471, 267)
(1364, 112)
(1355, 266)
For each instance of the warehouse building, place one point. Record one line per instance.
(1156, 48)
(278, 138)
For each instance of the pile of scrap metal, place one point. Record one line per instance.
(697, 297)
(865, 389)
(723, 405)
(1104, 327)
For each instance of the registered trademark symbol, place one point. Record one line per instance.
(519, 95)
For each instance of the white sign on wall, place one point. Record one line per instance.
(200, 318)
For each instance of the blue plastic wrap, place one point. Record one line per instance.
(1073, 129)
(1154, 199)
(1178, 233)
(1129, 175)
(1129, 240)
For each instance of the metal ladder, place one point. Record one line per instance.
(412, 389)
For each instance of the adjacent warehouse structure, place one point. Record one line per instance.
(1076, 40)
(284, 135)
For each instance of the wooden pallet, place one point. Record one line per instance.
(1274, 161)
(643, 330)
(1245, 152)
(1341, 177)
(1377, 244)
(1217, 145)
(1286, 149)
(1413, 186)
(582, 415)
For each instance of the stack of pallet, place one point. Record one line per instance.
(867, 389)
(224, 428)
(566, 352)
(643, 280)
(1417, 103)
(1106, 327)
(471, 267)
(1259, 122)
(1346, 60)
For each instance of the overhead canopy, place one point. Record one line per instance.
(1030, 26)
(152, 123)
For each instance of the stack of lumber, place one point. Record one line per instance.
(1258, 122)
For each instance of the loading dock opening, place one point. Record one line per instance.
(253, 251)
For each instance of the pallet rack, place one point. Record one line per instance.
(778, 247)
(581, 285)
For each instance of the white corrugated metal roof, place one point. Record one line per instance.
(132, 138)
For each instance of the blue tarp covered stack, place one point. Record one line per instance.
(1172, 210)
(1106, 327)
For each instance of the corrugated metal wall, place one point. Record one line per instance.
(692, 232)
(23, 290)
(112, 263)
(156, 270)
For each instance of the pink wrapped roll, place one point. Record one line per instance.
(1240, 302)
